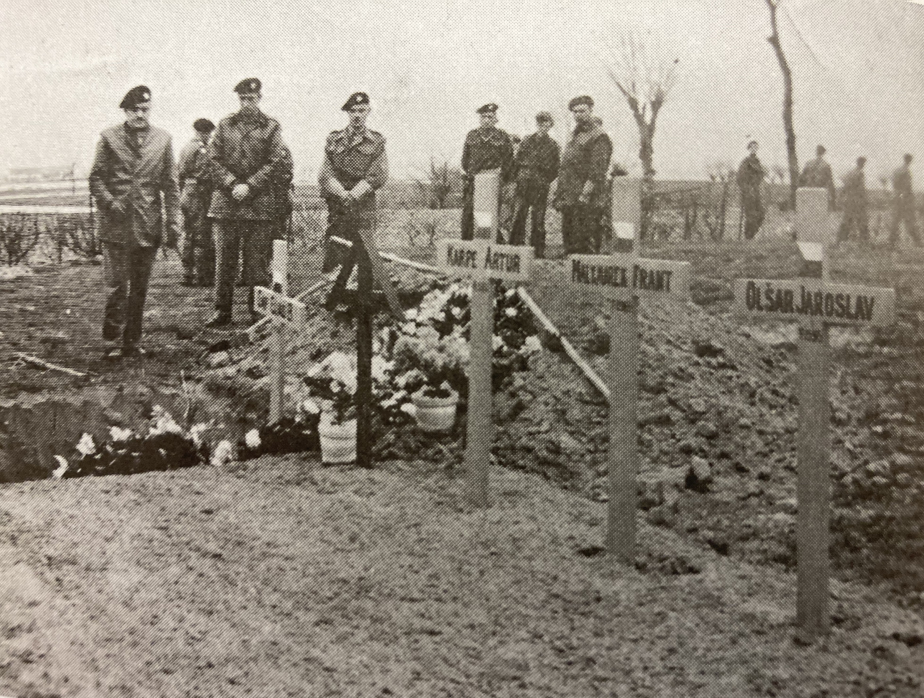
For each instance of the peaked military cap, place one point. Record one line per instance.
(545, 116)
(135, 96)
(203, 126)
(578, 101)
(357, 99)
(248, 86)
(489, 108)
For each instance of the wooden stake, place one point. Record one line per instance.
(364, 313)
(278, 381)
(623, 421)
(814, 485)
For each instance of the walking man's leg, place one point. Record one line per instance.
(141, 260)
(115, 266)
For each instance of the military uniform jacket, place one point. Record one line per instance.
(488, 149)
(817, 173)
(855, 189)
(751, 174)
(245, 150)
(195, 177)
(140, 173)
(349, 158)
(538, 159)
(586, 159)
(901, 185)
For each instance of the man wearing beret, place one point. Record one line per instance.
(133, 180)
(198, 251)
(486, 148)
(537, 162)
(581, 192)
(354, 167)
(245, 155)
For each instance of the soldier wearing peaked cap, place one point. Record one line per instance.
(486, 148)
(245, 154)
(198, 249)
(354, 167)
(133, 180)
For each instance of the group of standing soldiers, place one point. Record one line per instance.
(817, 173)
(581, 193)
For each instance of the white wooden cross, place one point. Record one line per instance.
(814, 303)
(624, 276)
(482, 261)
(284, 313)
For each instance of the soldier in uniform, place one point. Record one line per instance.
(817, 173)
(355, 166)
(537, 162)
(903, 204)
(133, 180)
(245, 153)
(198, 249)
(854, 202)
(486, 148)
(750, 177)
(581, 192)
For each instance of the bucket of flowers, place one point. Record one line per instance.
(431, 369)
(332, 383)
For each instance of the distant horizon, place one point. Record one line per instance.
(429, 65)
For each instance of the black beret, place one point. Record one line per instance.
(203, 126)
(578, 101)
(821, 150)
(545, 116)
(490, 108)
(357, 99)
(248, 86)
(135, 96)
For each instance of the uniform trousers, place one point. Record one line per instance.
(580, 228)
(198, 248)
(250, 239)
(127, 268)
(530, 195)
(904, 213)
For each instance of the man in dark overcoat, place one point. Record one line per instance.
(581, 193)
(817, 173)
(903, 204)
(133, 181)
(245, 154)
(750, 177)
(856, 216)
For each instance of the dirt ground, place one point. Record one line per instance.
(278, 577)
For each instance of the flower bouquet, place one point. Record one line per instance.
(332, 382)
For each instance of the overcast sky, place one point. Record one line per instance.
(858, 65)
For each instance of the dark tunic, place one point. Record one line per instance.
(488, 149)
(538, 159)
(245, 150)
(586, 159)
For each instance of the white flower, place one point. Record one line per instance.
(117, 434)
(86, 445)
(381, 368)
(532, 344)
(223, 453)
(410, 314)
(409, 408)
(163, 423)
(456, 312)
(409, 328)
(496, 342)
(510, 312)
(510, 293)
(252, 439)
(309, 406)
(195, 433)
(62, 468)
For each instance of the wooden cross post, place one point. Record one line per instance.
(815, 303)
(624, 276)
(482, 261)
(284, 312)
(369, 270)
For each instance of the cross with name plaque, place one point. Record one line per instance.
(815, 303)
(482, 261)
(625, 276)
(284, 313)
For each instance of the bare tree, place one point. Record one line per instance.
(645, 83)
(777, 45)
(437, 183)
(721, 175)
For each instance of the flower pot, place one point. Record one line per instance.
(338, 441)
(435, 414)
